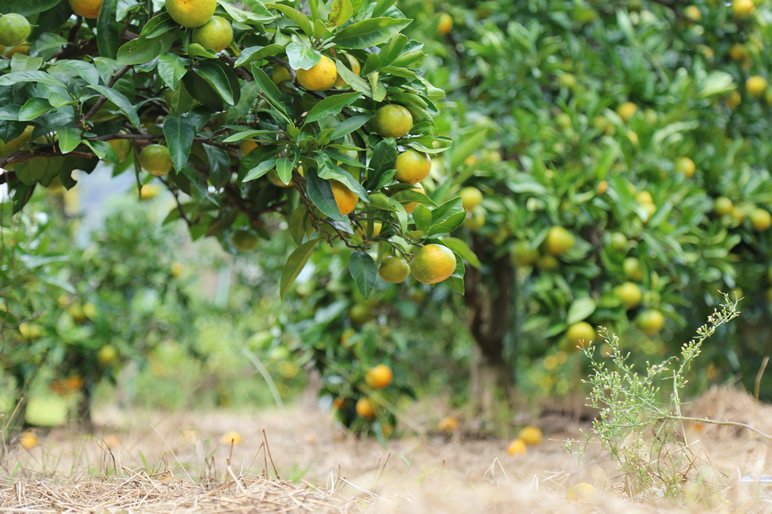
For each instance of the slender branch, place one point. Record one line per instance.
(177, 200)
(102, 99)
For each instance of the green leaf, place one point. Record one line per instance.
(371, 32)
(332, 105)
(392, 50)
(340, 12)
(320, 194)
(27, 7)
(216, 77)
(108, 31)
(461, 248)
(356, 82)
(269, 89)
(298, 17)
(581, 309)
(302, 57)
(69, 139)
(465, 147)
(295, 264)
(256, 53)
(260, 170)
(456, 281)
(158, 25)
(30, 76)
(255, 11)
(120, 101)
(179, 133)
(717, 83)
(171, 69)
(219, 165)
(284, 169)
(384, 159)
(363, 270)
(349, 125)
(444, 213)
(34, 108)
(328, 170)
(422, 217)
(297, 223)
(381, 201)
(139, 51)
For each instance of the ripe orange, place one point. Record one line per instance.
(244, 239)
(448, 424)
(723, 206)
(379, 377)
(630, 294)
(743, 8)
(523, 254)
(156, 160)
(246, 146)
(393, 270)
(756, 86)
(738, 52)
(122, 147)
(74, 383)
(650, 321)
(28, 440)
(530, 435)
(365, 408)
(355, 68)
(216, 34)
(412, 167)
(760, 219)
(602, 187)
(86, 8)
(517, 447)
(191, 13)
(345, 198)
(319, 77)
(633, 269)
(433, 263)
(627, 110)
(559, 241)
(14, 29)
(9, 51)
(231, 437)
(445, 24)
(393, 121)
(471, 197)
(580, 334)
(149, 191)
(409, 207)
(686, 166)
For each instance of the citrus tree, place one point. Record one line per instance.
(307, 109)
(621, 152)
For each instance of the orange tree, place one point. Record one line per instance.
(622, 154)
(244, 111)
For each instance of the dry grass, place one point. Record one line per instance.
(146, 462)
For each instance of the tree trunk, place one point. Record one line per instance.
(490, 299)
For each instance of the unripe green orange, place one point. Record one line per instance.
(393, 121)
(559, 241)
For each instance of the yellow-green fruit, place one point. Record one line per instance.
(531, 435)
(582, 492)
(559, 241)
(393, 121)
(14, 145)
(216, 34)
(90, 311)
(644, 198)
(523, 254)
(471, 197)
(475, 220)
(633, 269)
(107, 355)
(76, 312)
(580, 334)
(738, 52)
(393, 270)
(412, 167)
(627, 110)
(359, 313)
(244, 239)
(30, 331)
(723, 206)
(618, 242)
(445, 24)
(693, 13)
(547, 263)
(86, 8)
(432, 264)
(756, 86)
(743, 8)
(630, 294)
(191, 13)
(650, 321)
(14, 29)
(156, 160)
(280, 74)
(149, 191)
(319, 77)
(122, 148)
(760, 219)
(686, 166)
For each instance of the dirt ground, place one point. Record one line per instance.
(151, 462)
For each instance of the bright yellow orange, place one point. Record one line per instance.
(559, 241)
(630, 294)
(379, 377)
(433, 263)
(28, 440)
(232, 437)
(319, 77)
(365, 408)
(517, 447)
(86, 8)
(756, 86)
(246, 146)
(580, 334)
(683, 165)
(345, 198)
(650, 321)
(582, 492)
(531, 435)
(743, 8)
(602, 187)
(471, 197)
(760, 219)
(448, 424)
(149, 191)
(191, 13)
(412, 167)
(445, 24)
(627, 110)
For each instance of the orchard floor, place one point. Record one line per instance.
(151, 462)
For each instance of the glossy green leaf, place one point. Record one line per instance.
(363, 270)
(295, 264)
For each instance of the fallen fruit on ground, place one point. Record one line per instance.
(582, 492)
(231, 437)
(448, 424)
(531, 435)
(517, 447)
